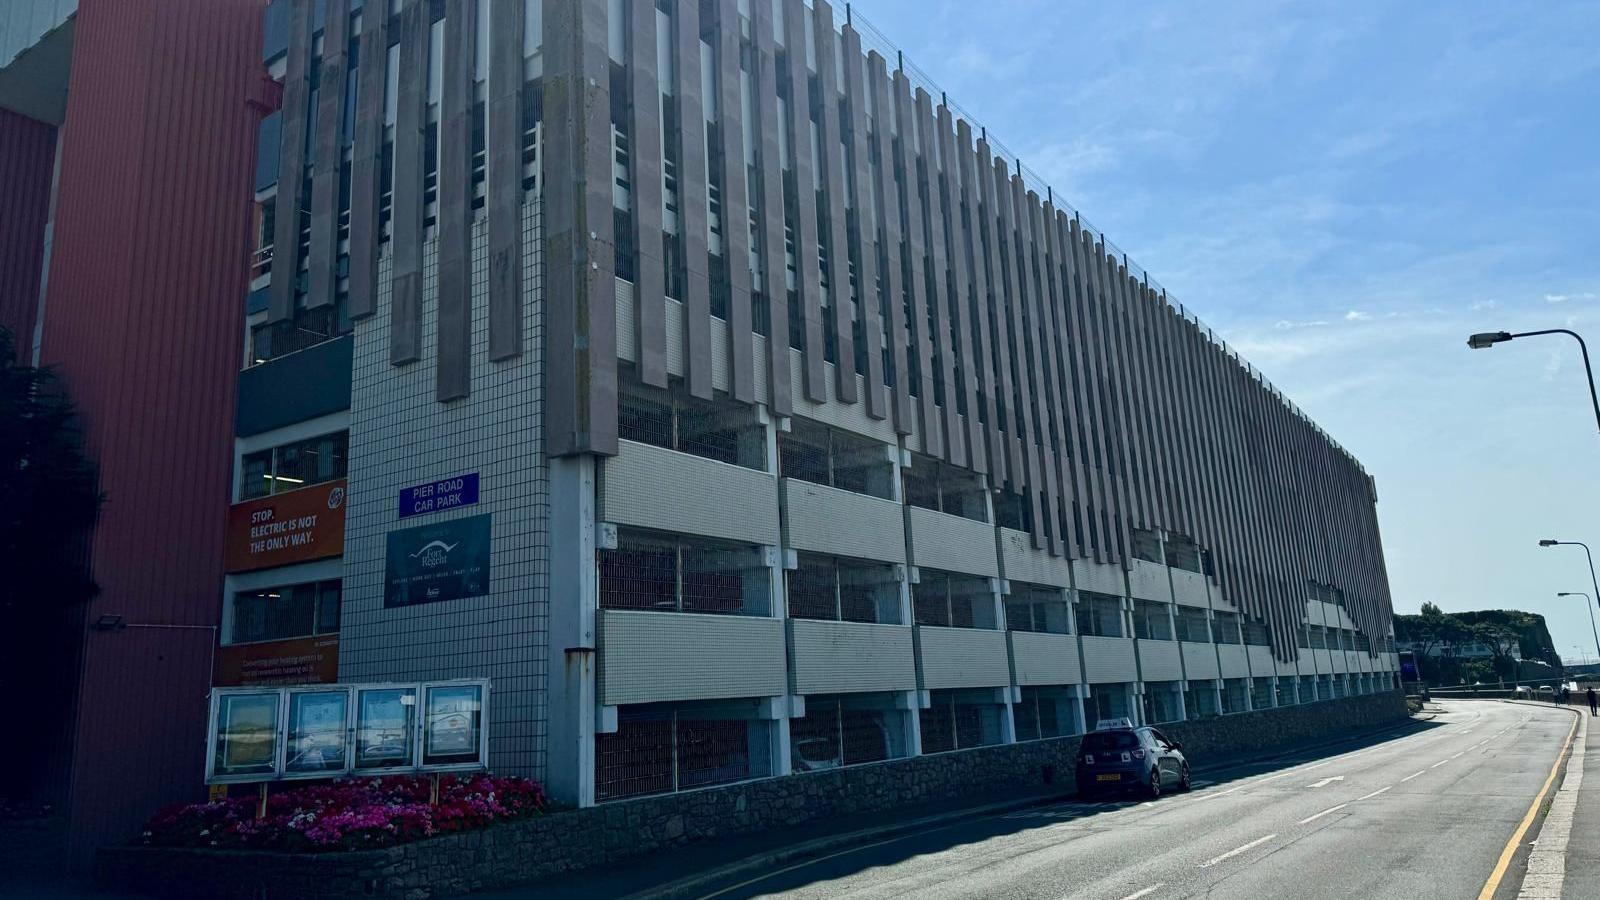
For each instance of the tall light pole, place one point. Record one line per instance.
(1595, 583)
(1586, 602)
(1486, 339)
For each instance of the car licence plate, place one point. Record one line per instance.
(1109, 777)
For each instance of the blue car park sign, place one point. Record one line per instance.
(436, 496)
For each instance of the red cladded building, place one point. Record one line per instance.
(127, 142)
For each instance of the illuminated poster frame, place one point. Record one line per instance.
(444, 728)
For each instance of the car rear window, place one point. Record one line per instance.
(1102, 741)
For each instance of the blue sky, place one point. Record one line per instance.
(1345, 192)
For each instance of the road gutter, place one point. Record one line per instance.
(1514, 847)
(1547, 863)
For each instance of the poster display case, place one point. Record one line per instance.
(329, 731)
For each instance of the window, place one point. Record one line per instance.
(1046, 712)
(822, 455)
(1152, 621)
(1282, 691)
(1161, 701)
(847, 730)
(953, 600)
(671, 573)
(1011, 510)
(1200, 699)
(1100, 614)
(1031, 607)
(308, 328)
(294, 465)
(1193, 625)
(1339, 687)
(958, 720)
(1225, 627)
(299, 610)
(1182, 553)
(842, 590)
(1308, 689)
(661, 748)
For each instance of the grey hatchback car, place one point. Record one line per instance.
(1118, 759)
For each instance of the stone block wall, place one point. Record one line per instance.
(567, 841)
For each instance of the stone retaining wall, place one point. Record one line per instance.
(520, 852)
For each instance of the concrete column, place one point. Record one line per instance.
(574, 602)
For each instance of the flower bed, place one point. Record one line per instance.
(354, 814)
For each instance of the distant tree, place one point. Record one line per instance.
(1438, 630)
(51, 499)
(1501, 639)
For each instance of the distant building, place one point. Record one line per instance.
(1472, 651)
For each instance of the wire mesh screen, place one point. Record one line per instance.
(1261, 692)
(719, 430)
(956, 720)
(843, 732)
(825, 587)
(1046, 712)
(1037, 608)
(1201, 699)
(1225, 627)
(953, 600)
(1234, 694)
(658, 572)
(1099, 614)
(662, 749)
(1192, 625)
(1152, 621)
(1161, 701)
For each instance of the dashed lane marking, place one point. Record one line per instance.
(1145, 893)
(1236, 851)
(1382, 790)
(1332, 809)
(1413, 775)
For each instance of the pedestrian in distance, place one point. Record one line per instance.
(1566, 695)
(1594, 701)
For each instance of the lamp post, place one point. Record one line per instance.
(1586, 602)
(1486, 339)
(1595, 583)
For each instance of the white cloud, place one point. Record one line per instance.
(1562, 298)
(1356, 315)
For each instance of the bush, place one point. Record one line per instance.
(353, 814)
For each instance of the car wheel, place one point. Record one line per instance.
(1154, 788)
(1185, 783)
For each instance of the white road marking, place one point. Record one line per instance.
(1146, 892)
(1413, 775)
(1458, 755)
(1323, 813)
(1217, 794)
(1327, 781)
(1375, 793)
(1236, 851)
(1439, 763)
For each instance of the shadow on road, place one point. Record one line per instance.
(648, 875)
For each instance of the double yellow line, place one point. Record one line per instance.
(1510, 851)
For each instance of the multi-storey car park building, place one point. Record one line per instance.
(769, 417)
(805, 430)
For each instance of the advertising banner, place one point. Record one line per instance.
(305, 660)
(246, 735)
(443, 561)
(384, 727)
(317, 732)
(293, 527)
(450, 733)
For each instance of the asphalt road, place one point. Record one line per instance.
(1425, 814)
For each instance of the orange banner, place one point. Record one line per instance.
(287, 528)
(307, 660)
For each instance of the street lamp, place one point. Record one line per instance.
(1551, 542)
(1586, 602)
(1483, 340)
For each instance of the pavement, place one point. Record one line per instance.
(1582, 863)
(1424, 810)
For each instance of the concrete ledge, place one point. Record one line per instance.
(520, 852)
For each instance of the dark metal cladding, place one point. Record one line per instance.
(365, 177)
(735, 203)
(644, 138)
(774, 268)
(883, 114)
(692, 190)
(454, 363)
(802, 168)
(503, 179)
(869, 303)
(328, 152)
(411, 119)
(830, 134)
(291, 165)
(580, 275)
